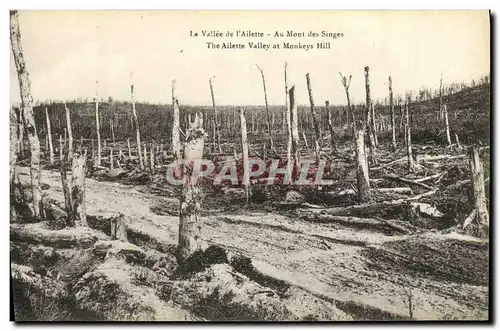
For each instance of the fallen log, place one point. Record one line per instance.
(400, 190)
(390, 163)
(407, 181)
(359, 222)
(424, 179)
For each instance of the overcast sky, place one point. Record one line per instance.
(67, 51)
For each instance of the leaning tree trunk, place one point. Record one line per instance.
(363, 178)
(215, 122)
(269, 127)
(27, 110)
(189, 227)
(49, 137)
(391, 108)
(136, 124)
(317, 134)
(70, 133)
(244, 145)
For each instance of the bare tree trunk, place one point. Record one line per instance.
(152, 158)
(70, 133)
(145, 156)
(49, 136)
(20, 146)
(411, 165)
(111, 163)
(98, 130)
(112, 125)
(215, 121)
(333, 145)
(244, 145)
(368, 121)
(78, 189)
(391, 108)
(269, 128)
(136, 124)
(374, 125)
(350, 110)
(363, 178)
(447, 124)
(317, 134)
(288, 116)
(129, 149)
(441, 98)
(459, 145)
(27, 110)
(305, 140)
(189, 227)
(13, 127)
(479, 225)
(176, 142)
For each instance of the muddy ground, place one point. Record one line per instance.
(278, 261)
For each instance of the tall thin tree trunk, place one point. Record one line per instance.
(294, 126)
(49, 136)
(447, 124)
(363, 177)
(367, 115)
(391, 108)
(215, 121)
(317, 134)
(98, 130)
(176, 142)
(189, 227)
(411, 165)
(478, 196)
(111, 163)
(288, 116)
(374, 125)
(70, 133)
(78, 188)
(27, 110)
(13, 127)
(136, 124)
(269, 128)
(129, 149)
(244, 145)
(330, 125)
(441, 98)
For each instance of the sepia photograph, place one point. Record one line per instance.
(250, 166)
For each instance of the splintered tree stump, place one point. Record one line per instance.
(78, 189)
(215, 122)
(479, 225)
(191, 194)
(363, 178)
(119, 228)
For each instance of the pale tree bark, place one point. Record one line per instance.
(374, 125)
(176, 141)
(97, 124)
(367, 116)
(350, 112)
(269, 127)
(244, 146)
(152, 158)
(111, 163)
(70, 133)
(363, 177)
(145, 156)
(215, 122)
(27, 113)
(20, 145)
(333, 145)
(295, 126)
(13, 146)
(447, 125)
(305, 140)
(479, 224)
(78, 189)
(136, 124)
(391, 108)
(441, 98)
(411, 165)
(189, 225)
(112, 125)
(317, 134)
(49, 136)
(288, 117)
(459, 145)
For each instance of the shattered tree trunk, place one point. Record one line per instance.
(27, 113)
(478, 225)
(215, 122)
(70, 133)
(189, 227)
(393, 119)
(367, 116)
(317, 134)
(363, 178)
(350, 111)
(136, 124)
(288, 116)
(411, 165)
(330, 125)
(78, 189)
(98, 130)
(295, 126)
(269, 127)
(49, 137)
(447, 124)
(244, 145)
(176, 141)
